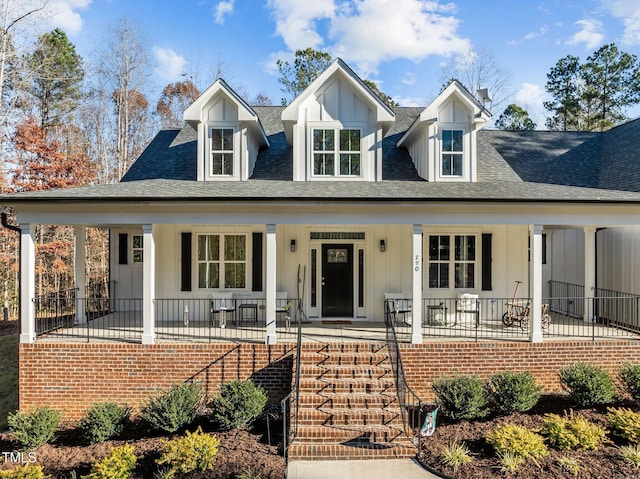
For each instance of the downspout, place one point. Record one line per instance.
(596, 312)
(5, 309)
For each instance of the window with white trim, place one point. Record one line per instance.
(452, 152)
(137, 248)
(336, 158)
(221, 152)
(222, 261)
(442, 266)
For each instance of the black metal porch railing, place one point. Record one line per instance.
(564, 298)
(291, 403)
(55, 311)
(411, 406)
(203, 319)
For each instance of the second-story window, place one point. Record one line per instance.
(222, 151)
(452, 152)
(336, 158)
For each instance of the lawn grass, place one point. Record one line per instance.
(8, 377)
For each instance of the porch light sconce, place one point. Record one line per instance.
(292, 246)
(383, 246)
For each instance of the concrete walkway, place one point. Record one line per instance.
(373, 469)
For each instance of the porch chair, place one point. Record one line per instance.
(283, 307)
(222, 303)
(395, 304)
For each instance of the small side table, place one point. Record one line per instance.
(247, 307)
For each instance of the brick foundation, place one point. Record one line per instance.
(70, 377)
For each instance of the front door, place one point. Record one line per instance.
(337, 280)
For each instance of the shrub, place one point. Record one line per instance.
(510, 462)
(517, 440)
(103, 421)
(513, 392)
(588, 385)
(119, 464)
(625, 423)
(461, 397)
(455, 455)
(572, 432)
(570, 464)
(193, 452)
(630, 374)
(26, 471)
(173, 409)
(238, 404)
(34, 429)
(631, 454)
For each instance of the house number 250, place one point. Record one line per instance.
(416, 263)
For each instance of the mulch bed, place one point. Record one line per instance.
(8, 328)
(602, 463)
(239, 452)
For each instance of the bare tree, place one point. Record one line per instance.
(479, 69)
(124, 65)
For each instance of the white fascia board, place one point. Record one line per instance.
(194, 113)
(384, 115)
(422, 122)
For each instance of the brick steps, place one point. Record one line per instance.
(348, 405)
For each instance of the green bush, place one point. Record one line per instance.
(455, 454)
(461, 397)
(35, 428)
(103, 421)
(511, 392)
(630, 374)
(119, 464)
(174, 408)
(631, 454)
(625, 423)
(588, 385)
(517, 440)
(26, 471)
(572, 432)
(238, 404)
(193, 452)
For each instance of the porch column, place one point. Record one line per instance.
(589, 272)
(536, 283)
(80, 273)
(416, 263)
(27, 284)
(148, 284)
(270, 285)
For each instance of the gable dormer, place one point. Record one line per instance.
(442, 141)
(335, 127)
(229, 134)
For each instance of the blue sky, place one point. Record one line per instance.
(400, 44)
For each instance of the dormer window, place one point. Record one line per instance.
(221, 151)
(336, 158)
(452, 153)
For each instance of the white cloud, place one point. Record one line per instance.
(222, 9)
(379, 30)
(409, 79)
(539, 33)
(410, 101)
(170, 64)
(590, 34)
(296, 21)
(531, 98)
(367, 32)
(60, 13)
(629, 12)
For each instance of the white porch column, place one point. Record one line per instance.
(27, 284)
(148, 284)
(80, 274)
(270, 285)
(416, 266)
(589, 272)
(536, 283)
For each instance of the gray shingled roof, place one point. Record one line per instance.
(557, 166)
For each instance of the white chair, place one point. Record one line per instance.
(222, 303)
(468, 308)
(283, 306)
(395, 304)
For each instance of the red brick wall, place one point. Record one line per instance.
(69, 377)
(426, 362)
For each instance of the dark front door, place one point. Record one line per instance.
(337, 280)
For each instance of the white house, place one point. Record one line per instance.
(339, 200)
